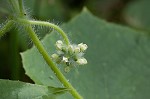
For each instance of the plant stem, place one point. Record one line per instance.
(6, 28)
(14, 55)
(49, 61)
(51, 25)
(21, 7)
(45, 55)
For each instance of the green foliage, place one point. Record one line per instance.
(21, 90)
(118, 64)
(117, 56)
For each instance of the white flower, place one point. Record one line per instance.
(81, 61)
(59, 44)
(70, 55)
(82, 46)
(65, 59)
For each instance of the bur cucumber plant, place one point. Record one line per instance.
(70, 55)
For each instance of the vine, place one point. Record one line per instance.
(68, 54)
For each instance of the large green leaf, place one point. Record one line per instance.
(20, 90)
(137, 14)
(118, 60)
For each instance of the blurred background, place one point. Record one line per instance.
(131, 13)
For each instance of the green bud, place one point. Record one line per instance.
(55, 56)
(77, 49)
(59, 44)
(71, 48)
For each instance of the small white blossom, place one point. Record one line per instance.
(59, 44)
(65, 59)
(81, 61)
(82, 46)
(70, 55)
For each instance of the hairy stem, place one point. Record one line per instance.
(49, 61)
(21, 7)
(47, 24)
(6, 28)
(18, 8)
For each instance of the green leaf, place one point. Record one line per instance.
(137, 14)
(20, 90)
(118, 60)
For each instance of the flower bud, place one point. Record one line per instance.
(59, 44)
(81, 61)
(77, 49)
(71, 48)
(82, 46)
(55, 56)
(65, 59)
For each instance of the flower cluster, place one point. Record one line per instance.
(70, 55)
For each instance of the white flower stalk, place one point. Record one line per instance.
(70, 55)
